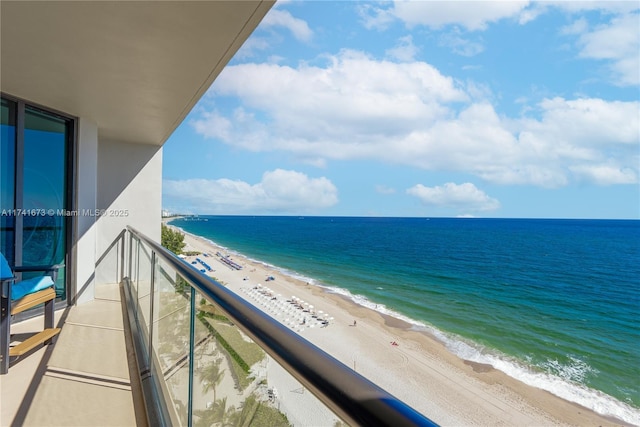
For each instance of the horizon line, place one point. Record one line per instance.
(184, 215)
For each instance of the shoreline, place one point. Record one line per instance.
(421, 370)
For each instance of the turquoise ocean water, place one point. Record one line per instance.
(553, 303)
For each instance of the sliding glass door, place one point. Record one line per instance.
(36, 181)
(7, 179)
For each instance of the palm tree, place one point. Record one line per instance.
(211, 376)
(216, 415)
(245, 416)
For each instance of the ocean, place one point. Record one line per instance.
(553, 303)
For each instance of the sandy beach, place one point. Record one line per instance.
(419, 370)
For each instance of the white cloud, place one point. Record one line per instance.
(477, 15)
(276, 18)
(462, 197)
(213, 125)
(251, 46)
(532, 12)
(618, 42)
(375, 17)
(282, 18)
(383, 189)
(437, 14)
(578, 137)
(606, 174)
(404, 51)
(589, 122)
(460, 45)
(578, 26)
(352, 95)
(410, 114)
(605, 6)
(279, 191)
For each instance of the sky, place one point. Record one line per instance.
(420, 109)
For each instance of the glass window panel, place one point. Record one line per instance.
(143, 276)
(172, 337)
(7, 178)
(236, 383)
(44, 191)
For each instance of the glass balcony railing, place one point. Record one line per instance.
(207, 357)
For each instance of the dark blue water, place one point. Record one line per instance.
(554, 303)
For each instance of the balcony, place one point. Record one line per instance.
(89, 365)
(161, 344)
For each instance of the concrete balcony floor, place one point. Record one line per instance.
(84, 379)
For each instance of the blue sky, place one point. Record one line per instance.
(401, 108)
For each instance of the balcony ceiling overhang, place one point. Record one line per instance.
(136, 68)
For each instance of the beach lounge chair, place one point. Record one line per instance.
(18, 296)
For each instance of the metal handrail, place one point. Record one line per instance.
(348, 394)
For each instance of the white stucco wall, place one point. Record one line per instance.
(84, 249)
(129, 190)
(122, 182)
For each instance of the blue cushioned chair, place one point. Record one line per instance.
(21, 295)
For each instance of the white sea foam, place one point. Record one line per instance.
(554, 377)
(576, 371)
(563, 380)
(365, 302)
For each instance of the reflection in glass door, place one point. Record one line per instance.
(7, 179)
(35, 187)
